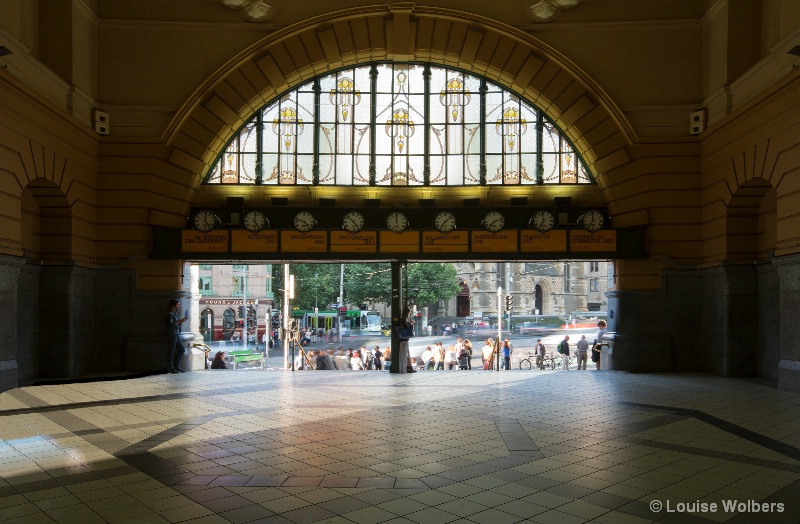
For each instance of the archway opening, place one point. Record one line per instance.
(46, 222)
(751, 221)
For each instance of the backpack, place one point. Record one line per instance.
(562, 349)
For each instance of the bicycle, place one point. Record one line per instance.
(528, 362)
(551, 361)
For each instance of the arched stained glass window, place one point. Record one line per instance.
(389, 124)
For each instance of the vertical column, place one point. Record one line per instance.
(397, 309)
(194, 358)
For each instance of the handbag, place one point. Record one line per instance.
(404, 333)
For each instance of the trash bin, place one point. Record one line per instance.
(607, 351)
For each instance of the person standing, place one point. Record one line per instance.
(506, 353)
(438, 356)
(563, 348)
(324, 361)
(463, 358)
(387, 358)
(540, 351)
(582, 348)
(596, 347)
(450, 357)
(458, 346)
(406, 331)
(378, 361)
(468, 347)
(486, 352)
(174, 345)
(355, 362)
(341, 360)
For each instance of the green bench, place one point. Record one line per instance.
(237, 356)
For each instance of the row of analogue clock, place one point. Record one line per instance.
(398, 222)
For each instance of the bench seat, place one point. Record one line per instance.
(237, 356)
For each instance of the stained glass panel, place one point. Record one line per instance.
(453, 121)
(455, 170)
(438, 174)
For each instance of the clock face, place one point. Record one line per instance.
(543, 221)
(205, 220)
(396, 222)
(255, 221)
(445, 222)
(494, 221)
(592, 220)
(353, 222)
(304, 221)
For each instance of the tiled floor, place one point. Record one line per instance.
(371, 447)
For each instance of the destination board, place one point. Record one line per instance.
(247, 242)
(501, 242)
(603, 240)
(553, 241)
(193, 241)
(311, 242)
(453, 242)
(344, 242)
(405, 242)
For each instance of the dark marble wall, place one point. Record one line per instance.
(728, 320)
(658, 330)
(67, 321)
(788, 269)
(9, 336)
(768, 352)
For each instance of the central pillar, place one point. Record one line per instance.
(399, 358)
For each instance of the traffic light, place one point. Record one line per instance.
(509, 302)
(241, 311)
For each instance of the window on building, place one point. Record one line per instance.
(594, 284)
(237, 286)
(206, 286)
(594, 267)
(397, 124)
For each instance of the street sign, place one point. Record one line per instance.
(334, 305)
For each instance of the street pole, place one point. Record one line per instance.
(286, 316)
(244, 306)
(508, 292)
(499, 326)
(341, 299)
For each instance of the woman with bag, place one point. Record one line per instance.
(405, 330)
(463, 358)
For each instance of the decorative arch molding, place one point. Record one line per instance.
(52, 197)
(400, 31)
(753, 192)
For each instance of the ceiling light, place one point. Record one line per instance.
(548, 10)
(252, 10)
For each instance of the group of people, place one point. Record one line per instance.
(341, 359)
(581, 350)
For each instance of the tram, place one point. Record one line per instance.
(351, 320)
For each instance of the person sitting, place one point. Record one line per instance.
(427, 358)
(219, 361)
